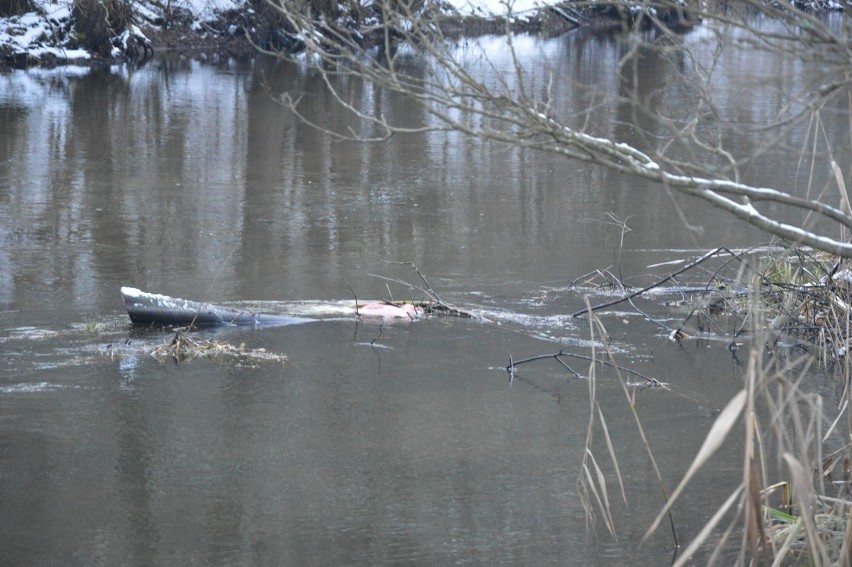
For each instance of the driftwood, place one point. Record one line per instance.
(163, 311)
(152, 309)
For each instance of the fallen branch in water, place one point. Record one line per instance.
(806, 296)
(558, 357)
(655, 285)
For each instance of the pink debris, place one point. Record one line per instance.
(406, 310)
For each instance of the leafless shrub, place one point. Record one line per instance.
(97, 22)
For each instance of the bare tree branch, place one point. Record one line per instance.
(405, 52)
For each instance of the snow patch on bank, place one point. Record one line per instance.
(48, 32)
(35, 34)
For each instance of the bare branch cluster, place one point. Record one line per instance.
(402, 49)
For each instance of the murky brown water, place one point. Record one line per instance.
(186, 178)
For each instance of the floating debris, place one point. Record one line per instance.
(182, 348)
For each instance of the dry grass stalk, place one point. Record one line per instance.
(790, 505)
(596, 486)
(809, 525)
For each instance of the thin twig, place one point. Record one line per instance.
(574, 282)
(373, 342)
(431, 292)
(649, 318)
(557, 355)
(428, 292)
(594, 320)
(356, 299)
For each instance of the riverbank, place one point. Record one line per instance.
(50, 33)
(54, 32)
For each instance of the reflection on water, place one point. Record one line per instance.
(393, 443)
(191, 175)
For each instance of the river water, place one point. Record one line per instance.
(394, 443)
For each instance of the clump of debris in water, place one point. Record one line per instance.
(183, 347)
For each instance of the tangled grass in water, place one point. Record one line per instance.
(806, 296)
(183, 347)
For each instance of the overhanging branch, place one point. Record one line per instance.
(445, 87)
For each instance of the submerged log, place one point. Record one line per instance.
(164, 311)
